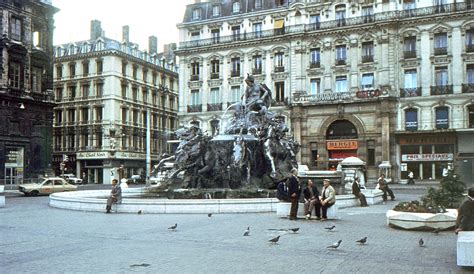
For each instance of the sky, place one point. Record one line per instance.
(145, 18)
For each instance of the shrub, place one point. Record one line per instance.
(448, 195)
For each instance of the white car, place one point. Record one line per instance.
(46, 186)
(71, 178)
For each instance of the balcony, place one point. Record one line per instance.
(394, 16)
(194, 108)
(367, 58)
(408, 54)
(441, 90)
(279, 69)
(410, 92)
(314, 64)
(369, 18)
(195, 77)
(340, 61)
(214, 107)
(468, 88)
(215, 75)
(235, 73)
(440, 51)
(470, 48)
(257, 71)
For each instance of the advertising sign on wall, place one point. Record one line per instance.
(427, 157)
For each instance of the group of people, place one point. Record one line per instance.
(290, 190)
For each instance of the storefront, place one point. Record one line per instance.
(426, 155)
(14, 164)
(339, 150)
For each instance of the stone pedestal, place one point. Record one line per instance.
(465, 248)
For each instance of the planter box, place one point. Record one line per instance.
(420, 221)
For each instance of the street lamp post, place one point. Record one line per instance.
(148, 154)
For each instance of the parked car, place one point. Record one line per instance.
(71, 178)
(46, 187)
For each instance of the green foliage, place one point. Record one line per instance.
(448, 195)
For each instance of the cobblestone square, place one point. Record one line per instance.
(40, 239)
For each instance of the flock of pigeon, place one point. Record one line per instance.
(275, 240)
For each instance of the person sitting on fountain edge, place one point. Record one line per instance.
(465, 220)
(282, 191)
(115, 195)
(382, 185)
(311, 200)
(328, 198)
(356, 191)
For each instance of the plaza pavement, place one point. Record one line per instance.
(36, 238)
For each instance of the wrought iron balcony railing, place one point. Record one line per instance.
(195, 77)
(280, 69)
(214, 107)
(407, 54)
(340, 61)
(410, 92)
(381, 17)
(440, 51)
(235, 73)
(367, 58)
(257, 71)
(195, 108)
(214, 75)
(468, 88)
(314, 64)
(441, 90)
(470, 48)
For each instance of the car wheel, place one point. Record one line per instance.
(34, 193)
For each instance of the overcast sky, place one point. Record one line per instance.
(145, 18)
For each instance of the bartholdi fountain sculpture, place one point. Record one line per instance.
(253, 151)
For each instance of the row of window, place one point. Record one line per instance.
(236, 8)
(441, 118)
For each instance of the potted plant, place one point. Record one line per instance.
(436, 210)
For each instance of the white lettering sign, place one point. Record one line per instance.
(93, 155)
(427, 157)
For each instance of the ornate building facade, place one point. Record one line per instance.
(105, 89)
(390, 82)
(26, 103)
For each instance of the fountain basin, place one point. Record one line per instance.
(95, 200)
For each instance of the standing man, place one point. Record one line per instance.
(465, 220)
(115, 195)
(328, 198)
(410, 177)
(311, 200)
(382, 185)
(294, 193)
(356, 191)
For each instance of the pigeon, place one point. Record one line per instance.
(294, 229)
(330, 228)
(209, 215)
(173, 227)
(247, 231)
(335, 245)
(274, 240)
(421, 243)
(140, 212)
(436, 231)
(362, 241)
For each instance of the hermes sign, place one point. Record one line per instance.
(342, 144)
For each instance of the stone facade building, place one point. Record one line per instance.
(26, 104)
(390, 82)
(105, 89)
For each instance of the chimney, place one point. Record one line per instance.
(96, 29)
(125, 34)
(152, 44)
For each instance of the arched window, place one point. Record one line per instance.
(411, 119)
(341, 129)
(442, 117)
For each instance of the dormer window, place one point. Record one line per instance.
(216, 10)
(258, 4)
(236, 7)
(196, 14)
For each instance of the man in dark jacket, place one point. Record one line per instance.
(282, 192)
(311, 200)
(356, 191)
(465, 220)
(294, 192)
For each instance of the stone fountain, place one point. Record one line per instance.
(253, 152)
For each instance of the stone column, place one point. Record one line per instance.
(385, 137)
